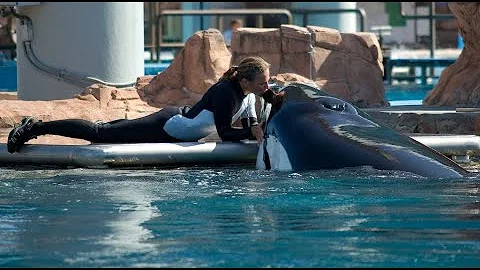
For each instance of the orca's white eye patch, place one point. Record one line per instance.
(272, 155)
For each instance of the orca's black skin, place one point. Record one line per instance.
(319, 131)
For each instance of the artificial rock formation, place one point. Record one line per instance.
(197, 66)
(97, 102)
(348, 66)
(459, 83)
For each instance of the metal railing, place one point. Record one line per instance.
(431, 17)
(423, 64)
(219, 13)
(305, 12)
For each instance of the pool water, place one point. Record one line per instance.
(407, 94)
(236, 217)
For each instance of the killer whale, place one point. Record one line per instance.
(308, 129)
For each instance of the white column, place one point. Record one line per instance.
(343, 22)
(102, 40)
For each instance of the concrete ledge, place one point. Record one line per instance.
(8, 95)
(430, 120)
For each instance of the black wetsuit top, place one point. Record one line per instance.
(224, 100)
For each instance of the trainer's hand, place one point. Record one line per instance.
(257, 132)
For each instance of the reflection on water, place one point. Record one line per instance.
(127, 235)
(236, 216)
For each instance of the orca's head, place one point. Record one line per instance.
(308, 129)
(296, 113)
(301, 92)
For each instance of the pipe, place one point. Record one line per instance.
(77, 80)
(310, 52)
(433, 35)
(201, 17)
(451, 145)
(157, 154)
(134, 154)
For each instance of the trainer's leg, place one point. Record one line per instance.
(144, 129)
(72, 128)
(147, 129)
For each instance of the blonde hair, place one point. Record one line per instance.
(248, 69)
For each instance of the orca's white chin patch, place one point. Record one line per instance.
(275, 155)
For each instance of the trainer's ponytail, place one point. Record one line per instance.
(248, 68)
(230, 73)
